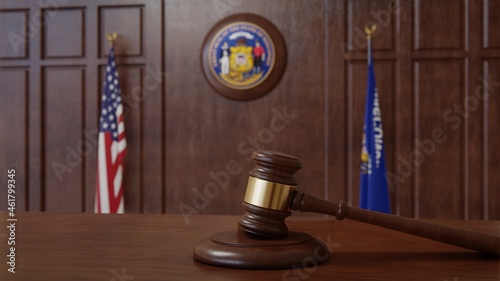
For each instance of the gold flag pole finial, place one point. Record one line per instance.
(111, 38)
(370, 31)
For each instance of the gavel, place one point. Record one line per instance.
(272, 193)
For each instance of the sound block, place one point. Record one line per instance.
(238, 249)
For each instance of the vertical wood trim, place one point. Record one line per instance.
(415, 26)
(485, 30)
(396, 109)
(326, 101)
(337, 100)
(486, 143)
(26, 139)
(349, 100)
(163, 115)
(465, 156)
(92, 98)
(36, 188)
(82, 130)
(141, 146)
(416, 136)
(349, 124)
(404, 110)
(151, 108)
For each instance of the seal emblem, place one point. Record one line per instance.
(243, 56)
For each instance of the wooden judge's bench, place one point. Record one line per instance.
(53, 246)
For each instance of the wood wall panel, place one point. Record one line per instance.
(59, 40)
(63, 153)
(13, 33)
(111, 19)
(438, 147)
(492, 138)
(438, 25)
(215, 131)
(14, 122)
(64, 93)
(336, 102)
(491, 24)
(361, 14)
(190, 146)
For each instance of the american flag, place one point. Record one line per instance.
(112, 145)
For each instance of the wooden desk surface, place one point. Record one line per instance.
(52, 246)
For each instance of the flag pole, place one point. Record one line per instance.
(370, 31)
(373, 183)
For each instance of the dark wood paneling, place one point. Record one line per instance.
(206, 131)
(403, 184)
(491, 24)
(59, 40)
(491, 90)
(189, 145)
(438, 25)
(112, 19)
(14, 122)
(474, 157)
(380, 13)
(438, 150)
(14, 33)
(336, 100)
(63, 151)
(67, 48)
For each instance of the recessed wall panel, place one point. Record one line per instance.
(64, 33)
(491, 24)
(13, 34)
(64, 148)
(382, 13)
(13, 142)
(491, 92)
(127, 22)
(438, 25)
(438, 149)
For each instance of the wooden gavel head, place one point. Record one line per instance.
(272, 193)
(270, 189)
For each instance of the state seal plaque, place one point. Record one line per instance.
(243, 56)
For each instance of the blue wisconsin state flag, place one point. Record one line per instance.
(374, 193)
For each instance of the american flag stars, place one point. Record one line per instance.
(112, 145)
(111, 101)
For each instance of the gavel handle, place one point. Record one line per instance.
(474, 240)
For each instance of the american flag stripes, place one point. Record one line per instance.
(112, 145)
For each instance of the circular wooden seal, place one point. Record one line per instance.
(243, 56)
